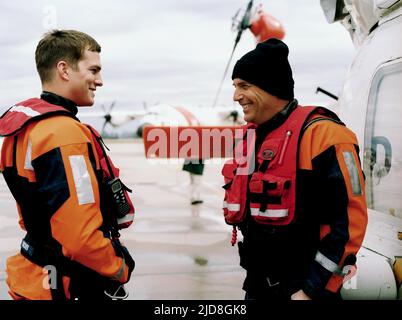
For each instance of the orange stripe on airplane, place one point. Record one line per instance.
(190, 118)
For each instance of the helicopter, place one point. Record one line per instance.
(369, 105)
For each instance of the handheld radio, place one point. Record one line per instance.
(119, 198)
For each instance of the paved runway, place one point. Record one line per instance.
(181, 251)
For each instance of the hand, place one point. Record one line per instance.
(121, 251)
(299, 295)
(129, 261)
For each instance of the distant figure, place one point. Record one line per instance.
(195, 167)
(70, 200)
(299, 200)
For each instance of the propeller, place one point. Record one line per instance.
(241, 25)
(233, 116)
(145, 105)
(107, 116)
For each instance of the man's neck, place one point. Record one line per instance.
(278, 119)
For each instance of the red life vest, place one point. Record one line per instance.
(272, 185)
(235, 172)
(35, 109)
(18, 116)
(110, 171)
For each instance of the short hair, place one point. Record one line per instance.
(56, 45)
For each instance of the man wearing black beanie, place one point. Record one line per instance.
(301, 205)
(267, 67)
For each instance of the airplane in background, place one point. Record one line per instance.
(169, 115)
(369, 104)
(262, 26)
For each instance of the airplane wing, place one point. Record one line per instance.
(115, 118)
(130, 114)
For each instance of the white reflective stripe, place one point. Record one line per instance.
(28, 157)
(231, 206)
(120, 273)
(129, 217)
(270, 213)
(353, 172)
(254, 211)
(327, 263)
(25, 110)
(82, 180)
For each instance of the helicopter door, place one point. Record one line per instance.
(383, 141)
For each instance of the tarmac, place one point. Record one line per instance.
(182, 251)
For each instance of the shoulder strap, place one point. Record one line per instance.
(325, 115)
(25, 112)
(100, 149)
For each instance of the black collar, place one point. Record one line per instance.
(60, 101)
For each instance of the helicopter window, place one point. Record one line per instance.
(383, 143)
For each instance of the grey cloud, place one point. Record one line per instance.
(167, 51)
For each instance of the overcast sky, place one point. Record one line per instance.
(170, 51)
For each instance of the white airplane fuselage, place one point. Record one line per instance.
(169, 115)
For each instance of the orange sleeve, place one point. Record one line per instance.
(357, 209)
(331, 149)
(62, 165)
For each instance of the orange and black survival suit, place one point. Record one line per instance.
(299, 203)
(52, 166)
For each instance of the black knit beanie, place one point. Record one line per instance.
(268, 68)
